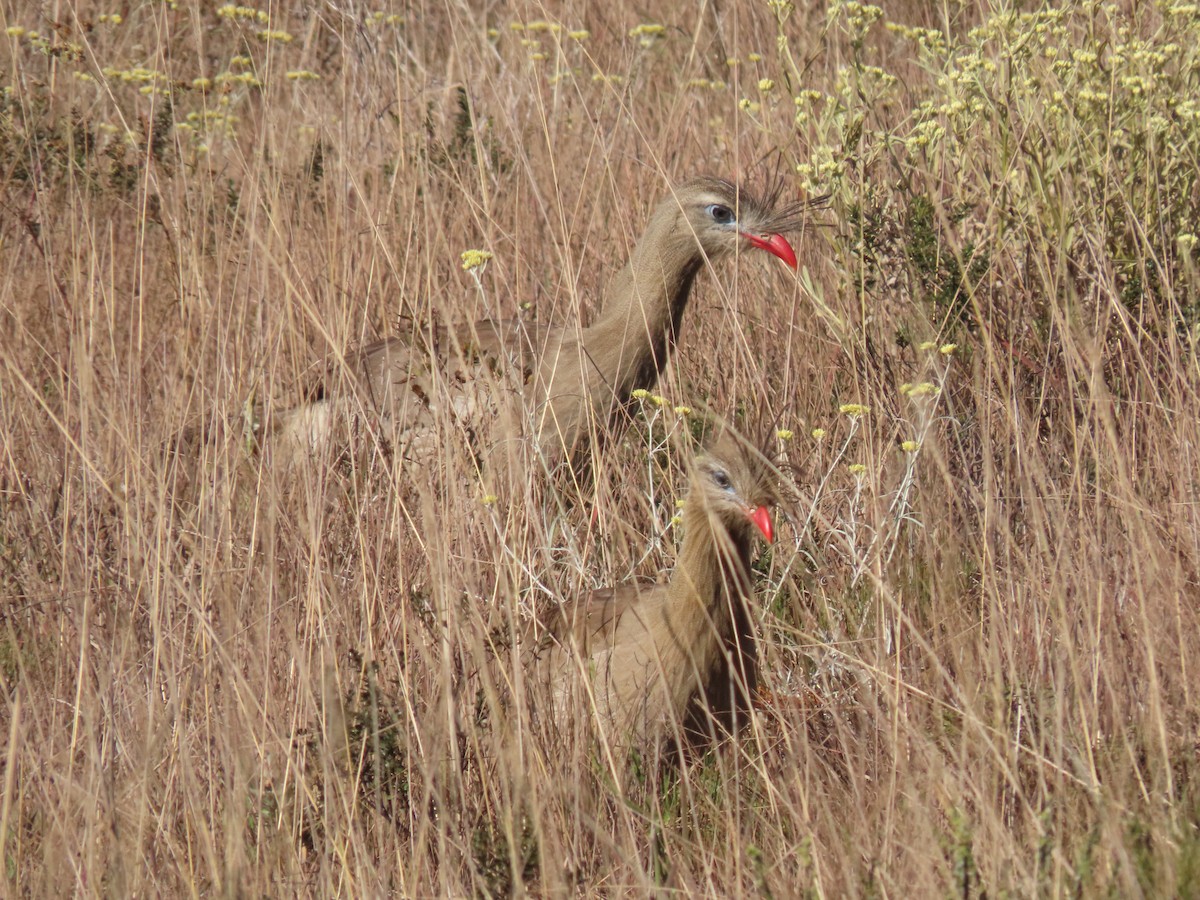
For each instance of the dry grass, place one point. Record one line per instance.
(219, 678)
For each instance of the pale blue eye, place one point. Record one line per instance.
(722, 215)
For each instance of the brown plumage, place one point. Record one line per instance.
(571, 380)
(652, 659)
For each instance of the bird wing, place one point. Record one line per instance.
(515, 342)
(431, 377)
(594, 623)
(502, 346)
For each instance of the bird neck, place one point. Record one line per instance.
(711, 578)
(636, 331)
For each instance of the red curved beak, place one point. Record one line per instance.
(762, 518)
(775, 244)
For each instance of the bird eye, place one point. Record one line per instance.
(722, 480)
(722, 215)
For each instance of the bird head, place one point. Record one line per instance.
(725, 218)
(734, 484)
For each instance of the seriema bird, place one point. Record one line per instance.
(673, 660)
(570, 382)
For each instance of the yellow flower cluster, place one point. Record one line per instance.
(929, 39)
(209, 121)
(473, 259)
(232, 11)
(249, 79)
(648, 34)
(648, 30)
(642, 395)
(823, 171)
(859, 16)
(138, 75)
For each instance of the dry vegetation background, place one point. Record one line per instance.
(979, 623)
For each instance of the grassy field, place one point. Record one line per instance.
(979, 623)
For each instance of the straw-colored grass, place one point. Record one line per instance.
(979, 623)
